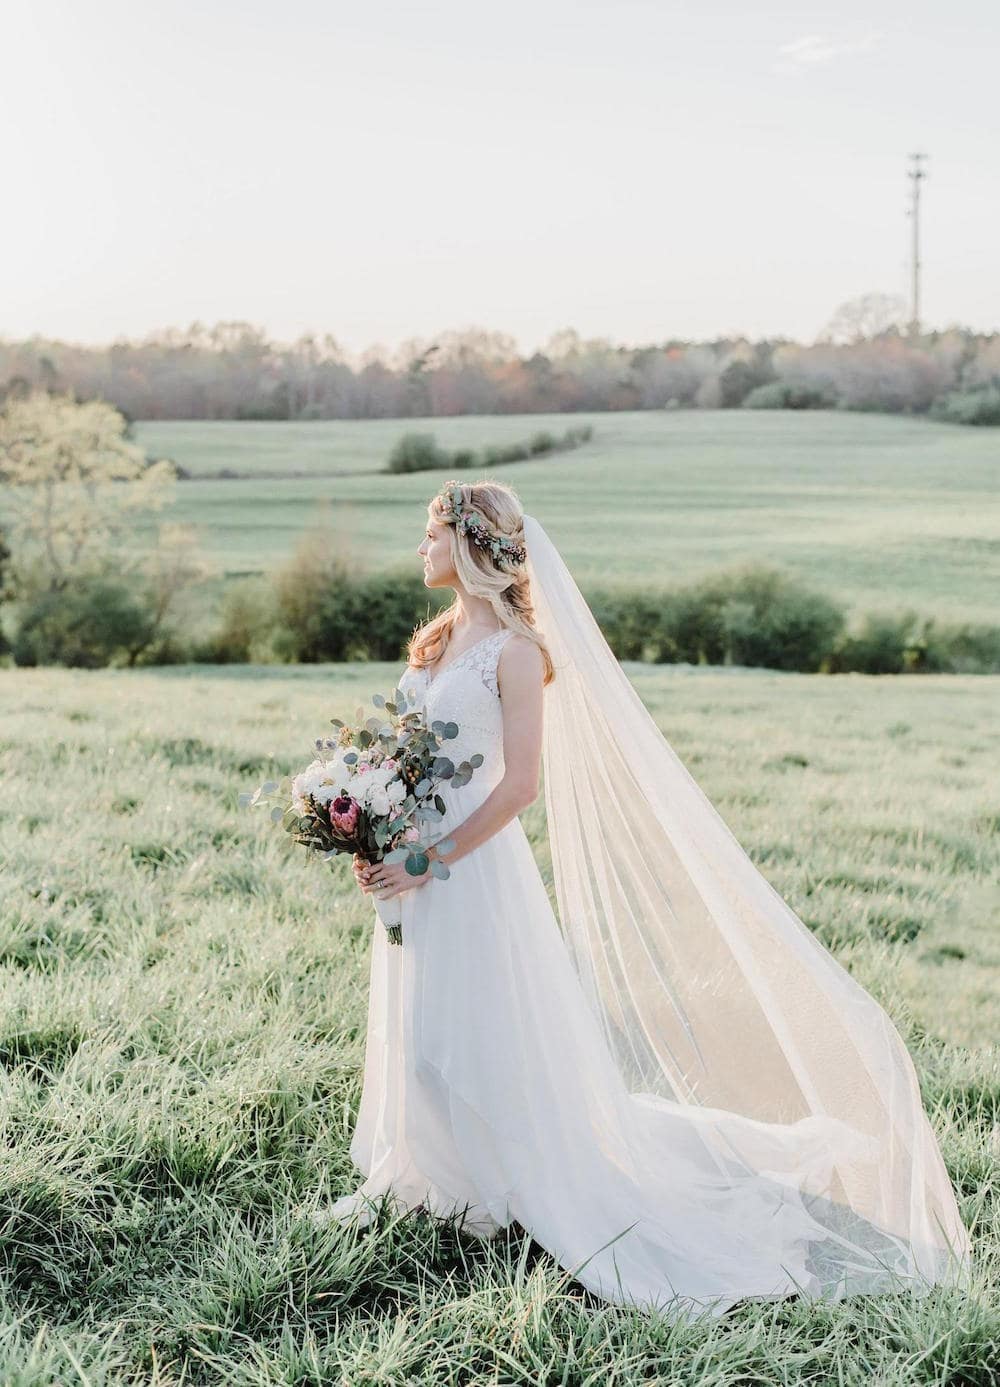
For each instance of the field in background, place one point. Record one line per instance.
(881, 512)
(184, 1001)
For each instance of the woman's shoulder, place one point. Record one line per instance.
(520, 654)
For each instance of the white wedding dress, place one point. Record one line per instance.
(490, 1091)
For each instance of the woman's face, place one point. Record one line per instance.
(439, 571)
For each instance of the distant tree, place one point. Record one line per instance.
(866, 317)
(74, 486)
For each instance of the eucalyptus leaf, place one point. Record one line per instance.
(417, 864)
(277, 813)
(443, 767)
(422, 786)
(439, 803)
(459, 779)
(439, 870)
(269, 787)
(378, 700)
(350, 758)
(450, 730)
(477, 759)
(445, 845)
(244, 799)
(437, 725)
(397, 855)
(336, 722)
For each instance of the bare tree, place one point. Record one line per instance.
(861, 319)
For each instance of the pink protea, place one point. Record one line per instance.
(344, 813)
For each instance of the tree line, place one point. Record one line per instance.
(233, 370)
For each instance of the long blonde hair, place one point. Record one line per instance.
(503, 583)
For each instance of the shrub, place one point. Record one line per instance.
(782, 394)
(753, 616)
(629, 621)
(951, 648)
(418, 452)
(543, 442)
(880, 647)
(247, 625)
(97, 622)
(969, 407)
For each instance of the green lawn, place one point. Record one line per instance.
(184, 1001)
(879, 511)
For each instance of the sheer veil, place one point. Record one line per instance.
(710, 990)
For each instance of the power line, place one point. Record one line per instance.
(916, 173)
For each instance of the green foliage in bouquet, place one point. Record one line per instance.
(402, 735)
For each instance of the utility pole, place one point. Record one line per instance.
(916, 173)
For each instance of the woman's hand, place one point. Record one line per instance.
(394, 876)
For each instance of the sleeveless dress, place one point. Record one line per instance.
(489, 1092)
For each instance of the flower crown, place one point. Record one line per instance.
(456, 512)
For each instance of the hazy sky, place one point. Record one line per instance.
(637, 169)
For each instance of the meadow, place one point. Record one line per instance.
(184, 1001)
(879, 512)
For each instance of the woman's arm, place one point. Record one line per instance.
(519, 674)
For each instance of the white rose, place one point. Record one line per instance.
(358, 787)
(379, 801)
(396, 791)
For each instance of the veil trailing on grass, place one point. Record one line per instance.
(710, 990)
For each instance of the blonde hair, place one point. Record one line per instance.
(502, 582)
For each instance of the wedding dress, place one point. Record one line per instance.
(504, 1081)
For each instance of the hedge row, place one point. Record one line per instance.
(421, 452)
(314, 611)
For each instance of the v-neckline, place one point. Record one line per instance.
(432, 680)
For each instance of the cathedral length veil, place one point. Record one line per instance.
(710, 990)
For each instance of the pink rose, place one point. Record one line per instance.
(412, 834)
(390, 763)
(344, 813)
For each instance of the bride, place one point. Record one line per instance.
(674, 1088)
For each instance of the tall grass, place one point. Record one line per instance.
(182, 1030)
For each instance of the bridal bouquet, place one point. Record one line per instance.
(373, 790)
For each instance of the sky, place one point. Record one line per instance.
(636, 169)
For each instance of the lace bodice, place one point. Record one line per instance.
(466, 691)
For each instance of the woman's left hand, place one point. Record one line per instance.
(395, 877)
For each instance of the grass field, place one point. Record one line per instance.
(183, 1015)
(879, 511)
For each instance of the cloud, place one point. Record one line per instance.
(818, 50)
